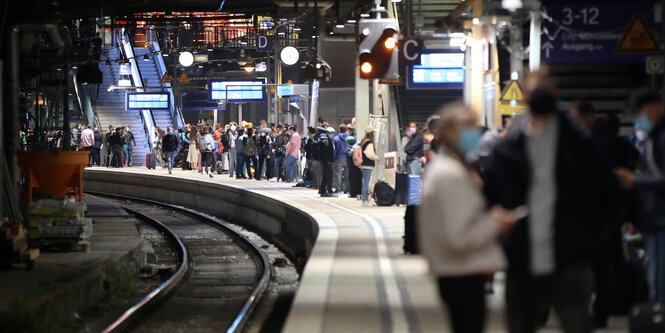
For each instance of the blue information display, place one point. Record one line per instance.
(147, 101)
(237, 90)
(285, 90)
(590, 33)
(437, 69)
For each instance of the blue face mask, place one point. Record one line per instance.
(643, 123)
(468, 139)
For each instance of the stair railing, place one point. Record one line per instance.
(155, 48)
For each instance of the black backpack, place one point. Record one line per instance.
(384, 195)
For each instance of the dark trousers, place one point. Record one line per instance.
(90, 155)
(326, 178)
(250, 160)
(270, 168)
(206, 161)
(568, 291)
(96, 156)
(259, 170)
(116, 159)
(277, 167)
(240, 162)
(355, 178)
(465, 298)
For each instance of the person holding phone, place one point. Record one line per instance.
(458, 235)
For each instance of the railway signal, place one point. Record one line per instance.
(377, 48)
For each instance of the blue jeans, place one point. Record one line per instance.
(367, 174)
(655, 264)
(240, 165)
(278, 164)
(128, 154)
(232, 162)
(290, 167)
(169, 159)
(414, 167)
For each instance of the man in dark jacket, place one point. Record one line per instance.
(339, 166)
(278, 148)
(96, 149)
(170, 146)
(326, 158)
(128, 144)
(549, 165)
(649, 188)
(115, 143)
(414, 149)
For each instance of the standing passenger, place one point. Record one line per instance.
(207, 150)
(128, 144)
(458, 236)
(193, 154)
(339, 166)
(292, 151)
(369, 161)
(96, 150)
(278, 151)
(240, 154)
(169, 146)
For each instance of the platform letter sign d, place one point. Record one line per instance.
(263, 44)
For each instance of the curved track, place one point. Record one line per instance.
(220, 278)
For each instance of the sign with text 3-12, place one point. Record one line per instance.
(591, 33)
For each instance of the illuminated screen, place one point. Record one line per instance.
(236, 91)
(147, 101)
(286, 90)
(438, 70)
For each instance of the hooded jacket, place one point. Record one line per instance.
(340, 146)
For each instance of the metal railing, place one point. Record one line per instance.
(155, 48)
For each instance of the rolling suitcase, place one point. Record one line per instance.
(647, 318)
(151, 160)
(414, 191)
(384, 195)
(401, 188)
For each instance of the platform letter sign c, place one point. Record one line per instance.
(410, 50)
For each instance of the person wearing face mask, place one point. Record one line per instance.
(458, 234)
(552, 169)
(369, 161)
(326, 158)
(263, 145)
(170, 146)
(278, 152)
(106, 149)
(414, 149)
(648, 186)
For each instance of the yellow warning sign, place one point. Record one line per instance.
(183, 78)
(166, 78)
(508, 109)
(638, 37)
(512, 93)
(272, 90)
(290, 82)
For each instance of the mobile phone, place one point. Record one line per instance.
(521, 212)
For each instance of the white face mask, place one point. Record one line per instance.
(263, 133)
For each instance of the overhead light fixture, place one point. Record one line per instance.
(330, 33)
(318, 65)
(296, 29)
(186, 58)
(200, 66)
(351, 21)
(74, 67)
(209, 50)
(475, 21)
(364, 15)
(339, 26)
(146, 57)
(396, 0)
(261, 67)
(165, 54)
(457, 35)
(249, 67)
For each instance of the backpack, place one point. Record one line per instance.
(200, 144)
(250, 146)
(384, 195)
(357, 156)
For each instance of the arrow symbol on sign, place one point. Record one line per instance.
(547, 47)
(553, 37)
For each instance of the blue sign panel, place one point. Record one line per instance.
(147, 101)
(590, 33)
(237, 90)
(437, 69)
(285, 90)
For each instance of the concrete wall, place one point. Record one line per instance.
(337, 104)
(289, 228)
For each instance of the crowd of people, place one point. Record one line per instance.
(545, 200)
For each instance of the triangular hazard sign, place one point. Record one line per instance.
(166, 78)
(638, 37)
(513, 92)
(183, 78)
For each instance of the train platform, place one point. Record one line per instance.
(356, 277)
(63, 283)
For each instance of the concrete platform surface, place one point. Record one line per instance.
(356, 279)
(59, 278)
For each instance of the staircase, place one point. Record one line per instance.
(151, 78)
(110, 108)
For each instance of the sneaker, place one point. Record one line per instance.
(210, 174)
(367, 204)
(170, 172)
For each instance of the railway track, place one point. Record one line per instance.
(218, 282)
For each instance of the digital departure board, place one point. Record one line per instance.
(237, 90)
(147, 101)
(285, 90)
(444, 69)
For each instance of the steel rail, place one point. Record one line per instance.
(123, 322)
(258, 255)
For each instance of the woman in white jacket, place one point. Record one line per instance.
(457, 233)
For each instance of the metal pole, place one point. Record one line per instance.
(517, 48)
(534, 40)
(240, 114)
(278, 80)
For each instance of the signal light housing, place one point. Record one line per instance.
(377, 48)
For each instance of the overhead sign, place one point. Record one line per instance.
(512, 100)
(147, 101)
(183, 78)
(166, 78)
(293, 90)
(236, 90)
(593, 33)
(410, 51)
(264, 43)
(437, 69)
(638, 37)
